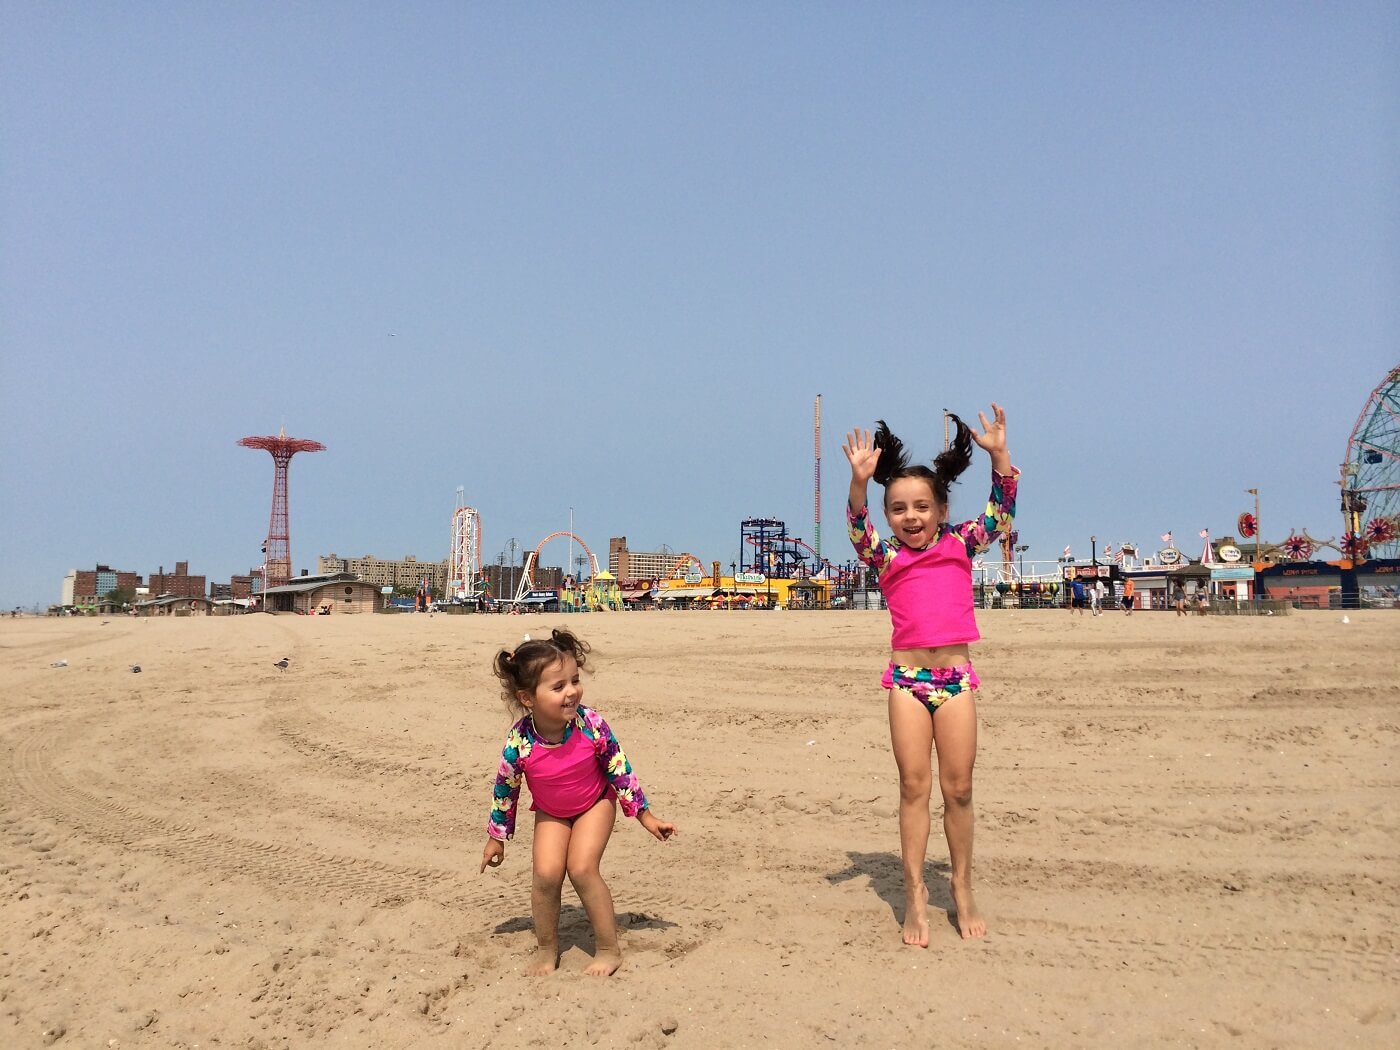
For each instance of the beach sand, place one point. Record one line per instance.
(1187, 835)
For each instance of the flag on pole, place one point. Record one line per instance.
(1205, 534)
(1066, 552)
(1108, 550)
(1167, 538)
(1119, 556)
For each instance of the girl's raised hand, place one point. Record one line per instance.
(493, 854)
(863, 455)
(993, 436)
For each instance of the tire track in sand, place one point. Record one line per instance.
(33, 775)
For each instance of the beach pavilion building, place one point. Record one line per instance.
(336, 592)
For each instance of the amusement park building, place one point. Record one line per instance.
(638, 565)
(504, 580)
(408, 571)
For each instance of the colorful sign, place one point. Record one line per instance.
(1228, 552)
(750, 577)
(1169, 556)
(1232, 572)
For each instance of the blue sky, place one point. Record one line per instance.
(605, 256)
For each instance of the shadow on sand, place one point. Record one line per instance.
(886, 875)
(574, 929)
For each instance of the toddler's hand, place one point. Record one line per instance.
(662, 829)
(493, 854)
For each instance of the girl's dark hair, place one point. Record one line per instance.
(523, 668)
(894, 460)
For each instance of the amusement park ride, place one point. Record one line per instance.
(1370, 476)
(464, 576)
(277, 548)
(1370, 490)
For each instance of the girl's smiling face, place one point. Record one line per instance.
(555, 699)
(913, 511)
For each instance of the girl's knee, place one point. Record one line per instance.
(957, 790)
(915, 785)
(584, 874)
(549, 880)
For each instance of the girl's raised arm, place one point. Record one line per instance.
(863, 456)
(993, 438)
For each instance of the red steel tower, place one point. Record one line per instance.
(278, 547)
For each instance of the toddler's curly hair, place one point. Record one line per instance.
(521, 670)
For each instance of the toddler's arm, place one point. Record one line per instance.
(506, 792)
(615, 765)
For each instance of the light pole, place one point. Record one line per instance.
(1258, 532)
(570, 562)
(733, 583)
(1021, 552)
(1094, 550)
(511, 592)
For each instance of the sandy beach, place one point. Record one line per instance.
(1187, 835)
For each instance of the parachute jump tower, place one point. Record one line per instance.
(277, 566)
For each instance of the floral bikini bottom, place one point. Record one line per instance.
(931, 686)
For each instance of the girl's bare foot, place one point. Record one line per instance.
(544, 961)
(970, 921)
(916, 915)
(605, 962)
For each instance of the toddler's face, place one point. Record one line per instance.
(556, 696)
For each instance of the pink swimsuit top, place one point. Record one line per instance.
(565, 779)
(929, 591)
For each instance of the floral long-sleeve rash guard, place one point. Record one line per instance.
(565, 778)
(929, 591)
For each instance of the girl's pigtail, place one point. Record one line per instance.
(950, 463)
(893, 459)
(566, 642)
(504, 667)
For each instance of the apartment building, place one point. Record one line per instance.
(407, 571)
(639, 565)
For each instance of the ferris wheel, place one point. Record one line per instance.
(1371, 476)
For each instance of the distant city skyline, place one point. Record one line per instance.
(603, 260)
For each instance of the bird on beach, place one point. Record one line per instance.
(282, 664)
(135, 668)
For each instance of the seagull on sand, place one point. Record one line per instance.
(282, 664)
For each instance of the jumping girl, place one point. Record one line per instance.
(578, 776)
(925, 572)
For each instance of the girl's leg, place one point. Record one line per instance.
(911, 736)
(955, 738)
(591, 833)
(551, 851)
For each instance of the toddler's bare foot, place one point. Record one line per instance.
(916, 915)
(605, 962)
(544, 961)
(970, 921)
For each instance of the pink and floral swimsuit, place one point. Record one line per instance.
(566, 779)
(929, 591)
